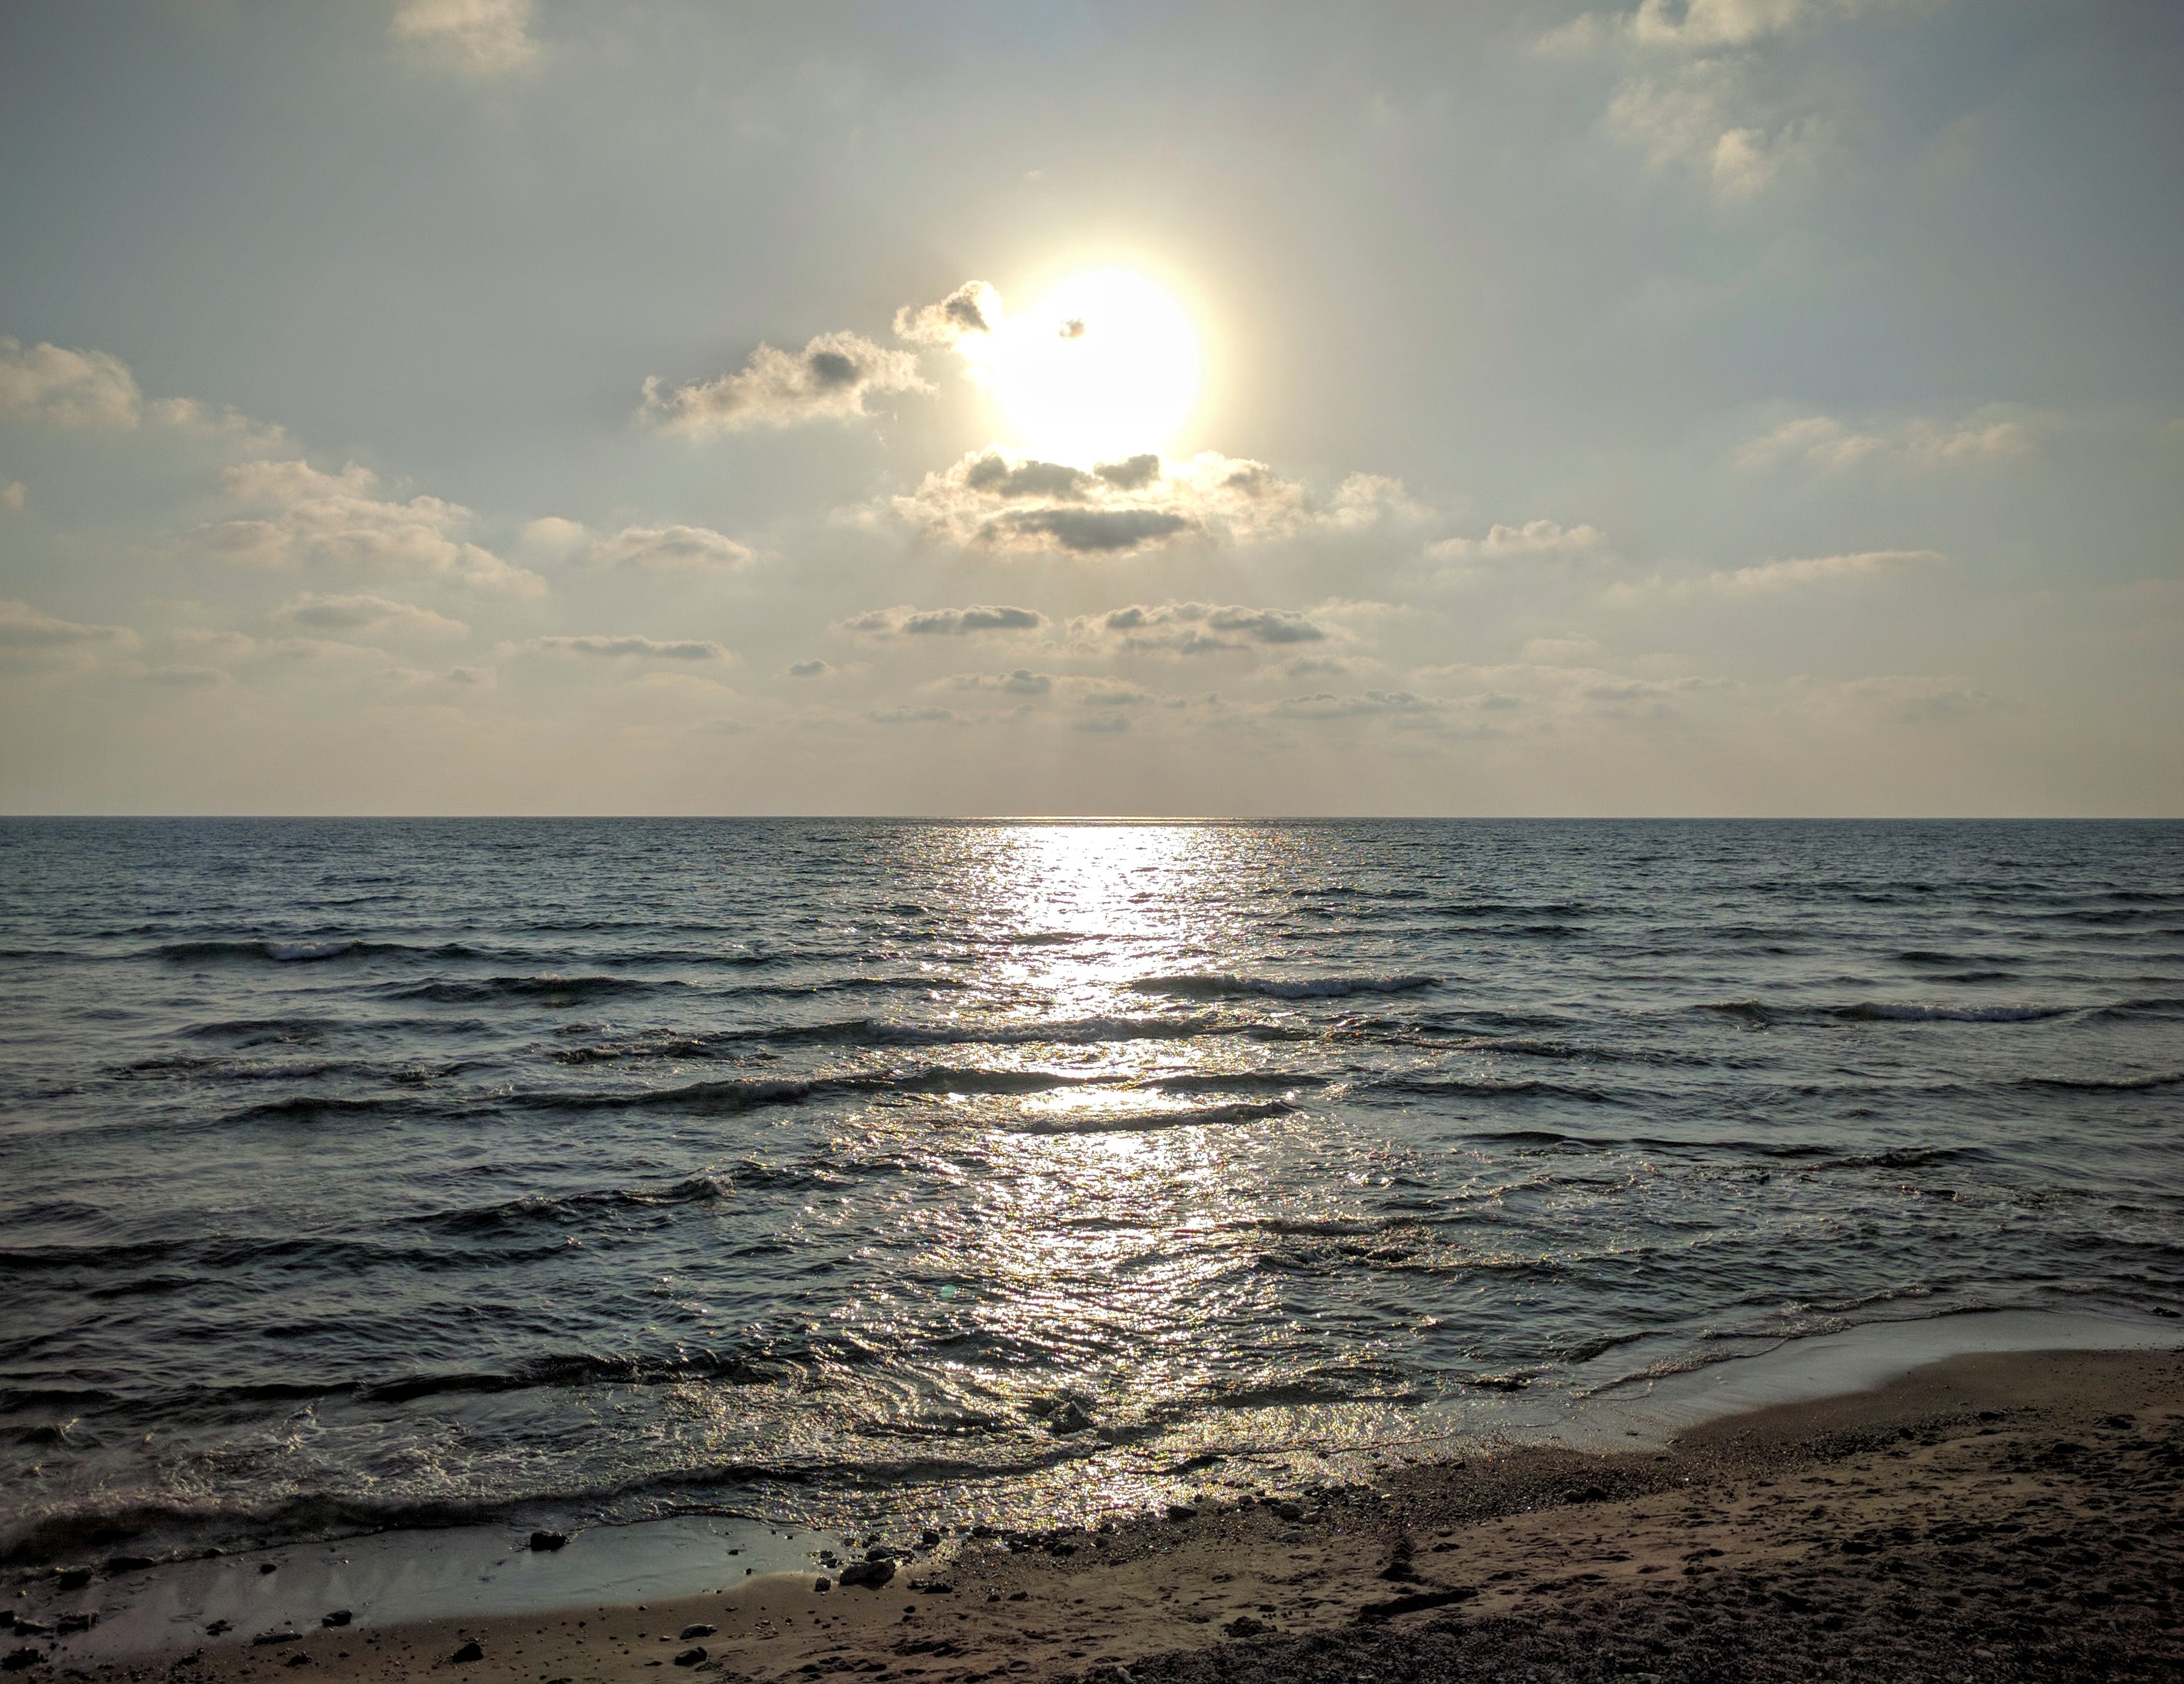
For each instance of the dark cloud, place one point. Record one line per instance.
(1086, 531)
(684, 648)
(1132, 475)
(927, 622)
(992, 474)
(1201, 627)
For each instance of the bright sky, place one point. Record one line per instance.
(1737, 406)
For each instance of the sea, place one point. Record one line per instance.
(360, 1175)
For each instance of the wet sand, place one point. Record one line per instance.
(2000, 1516)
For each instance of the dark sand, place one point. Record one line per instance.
(1990, 1517)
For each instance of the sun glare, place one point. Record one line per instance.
(1105, 367)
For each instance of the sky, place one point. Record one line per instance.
(1738, 407)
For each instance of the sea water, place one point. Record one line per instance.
(365, 1174)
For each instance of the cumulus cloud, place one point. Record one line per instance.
(1534, 537)
(973, 308)
(944, 622)
(682, 649)
(340, 520)
(811, 669)
(552, 535)
(482, 37)
(828, 380)
(317, 613)
(68, 388)
(1195, 629)
(994, 499)
(1824, 442)
(1820, 570)
(671, 549)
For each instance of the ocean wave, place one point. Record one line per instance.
(1481, 1087)
(1146, 1122)
(550, 990)
(1222, 985)
(1883, 1012)
(2094, 1084)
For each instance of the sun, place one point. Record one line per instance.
(1104, 367)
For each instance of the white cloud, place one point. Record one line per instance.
(827, 380)
(1827, 443)
(682, 649)
(551, 535)
(339, 520)
(949, 622)
(68, 388)
(25, 629)
(312, 612)
(1534, 537)
(671, 549)
(1820, 570)
(1698, 25)
(482, 37)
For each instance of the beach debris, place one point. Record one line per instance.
(340, 1616)
(690, 1631)
(1399, 1560)
(690, 1657)
(278, 1634)
(544, 1539)
(470, 1651)
(873, 1572)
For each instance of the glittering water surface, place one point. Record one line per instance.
(370, 1173)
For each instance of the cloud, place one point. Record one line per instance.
(1022, 681)
(1700, 105)
(186, 677)
(25, 629)
(68, 388)
(685, 648)
(827, 380)
(671, 549)
(11, 496)
(1195, 629)
(552, 535)
(812, 669)
(1534, 537)
(1365, 705)
(974, 307)
(945, 622)
(338, 520)
(1827, 443)
(1561, 651)
(1820, 570)
(315, 613)
(1914, 697)
(482, 37)
(914, 716)
(994, 499)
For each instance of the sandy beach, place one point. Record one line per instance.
(1987, 1517)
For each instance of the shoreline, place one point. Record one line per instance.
(2028, 1497)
